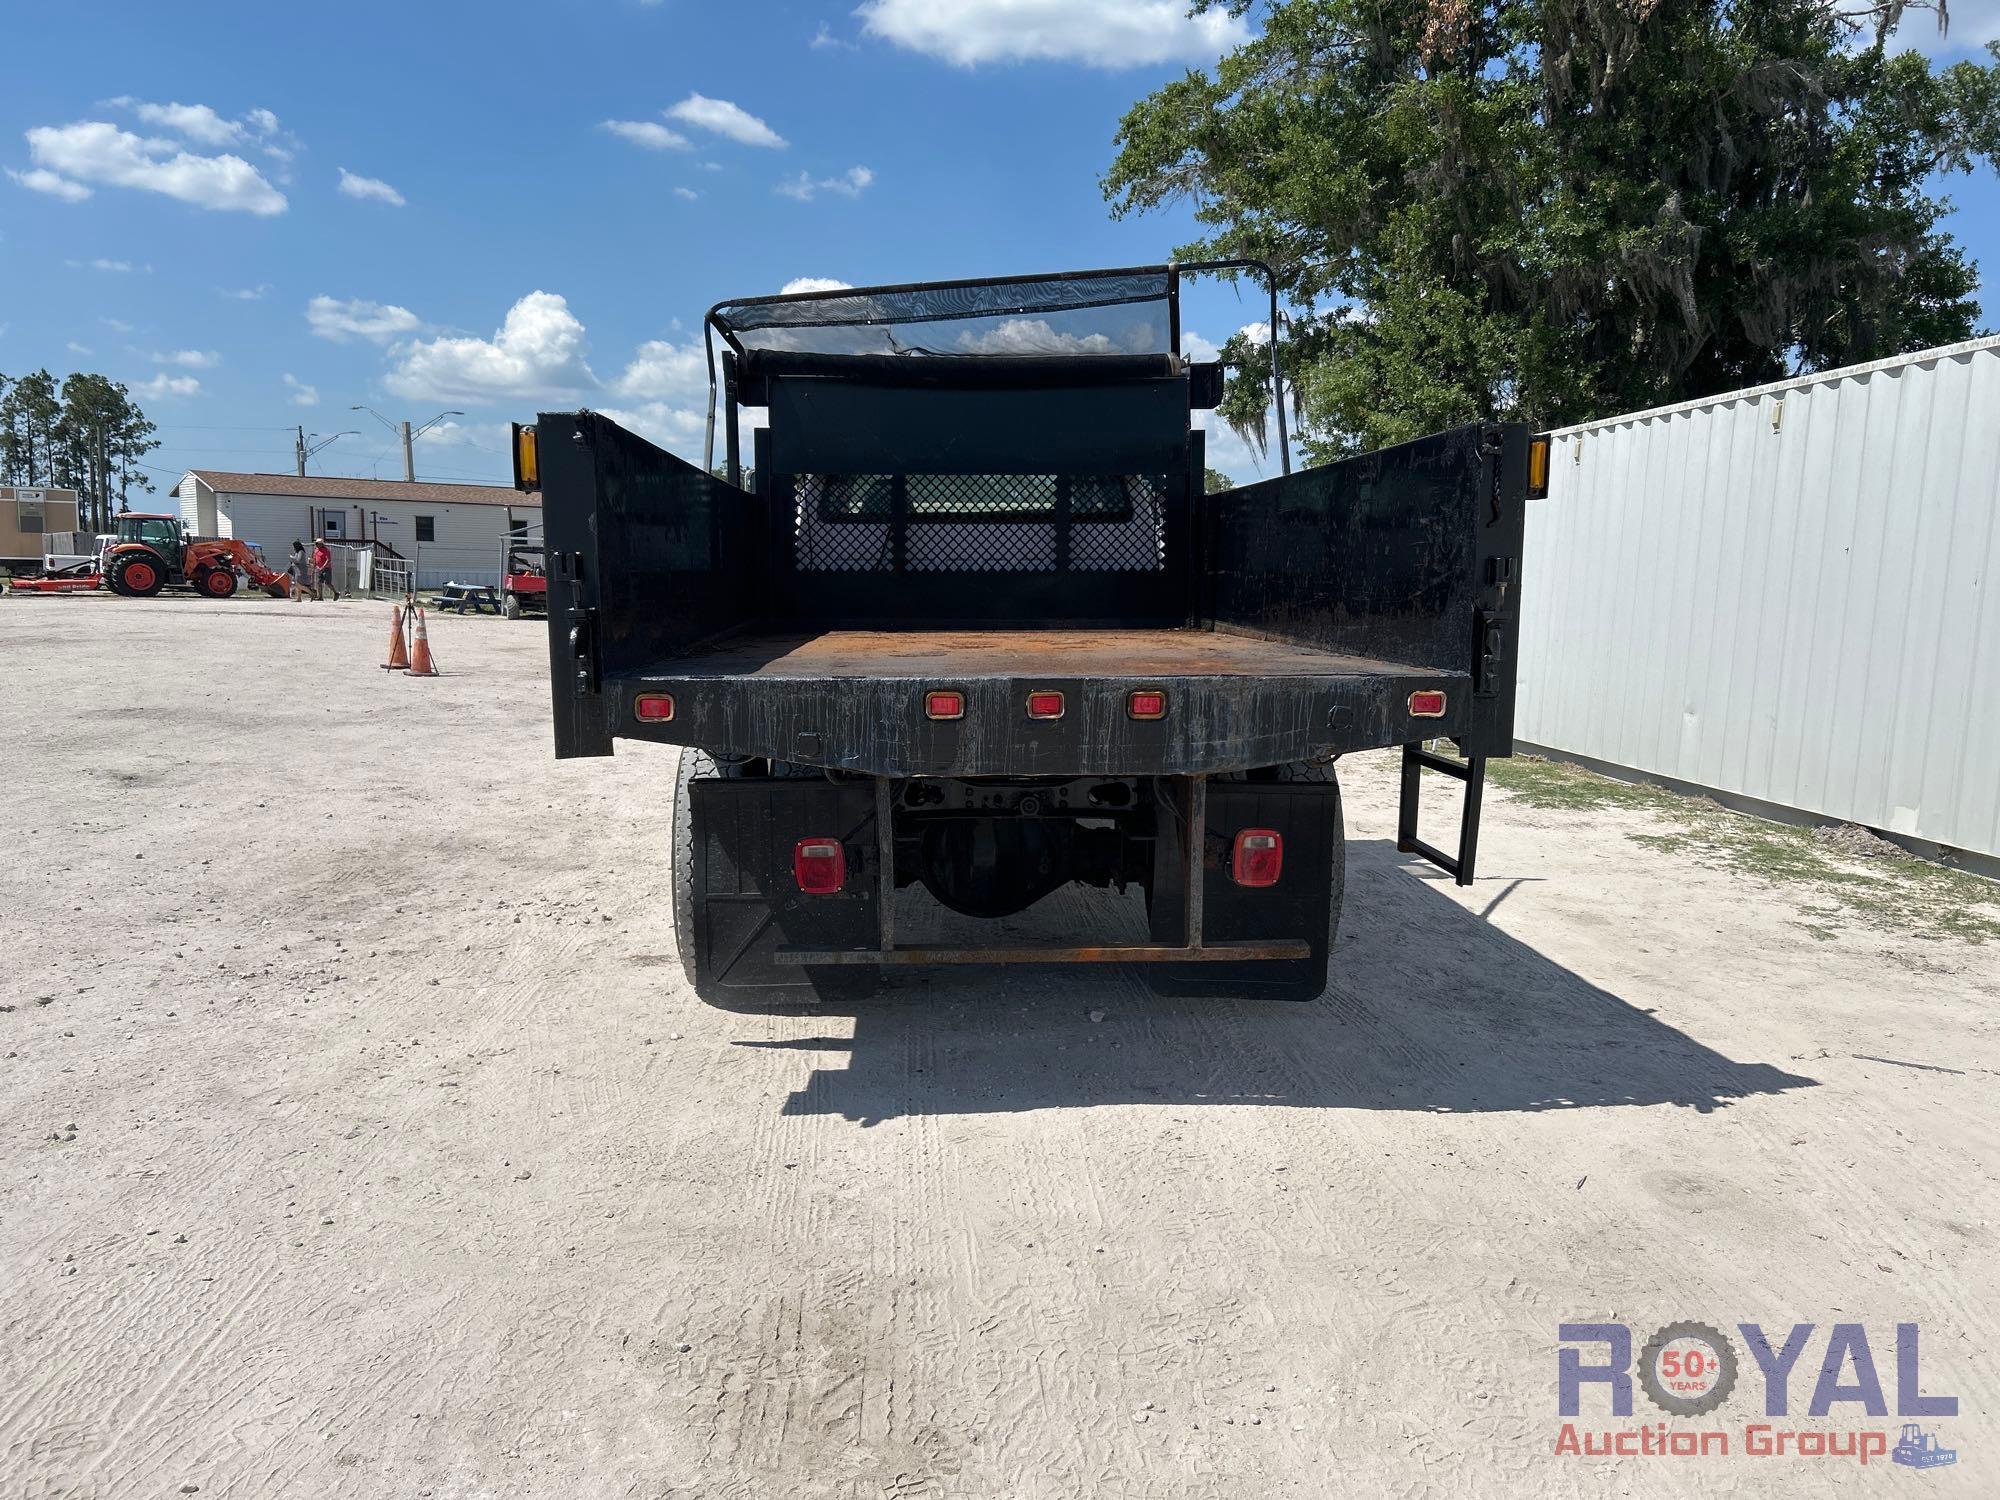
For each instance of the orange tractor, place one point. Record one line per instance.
(153, 551)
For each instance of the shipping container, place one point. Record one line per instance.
(1784, 595)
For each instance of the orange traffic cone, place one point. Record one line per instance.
(421, 664)
(399, 658)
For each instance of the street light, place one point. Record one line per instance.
(434, 421)
(402, 429)
(304, 445)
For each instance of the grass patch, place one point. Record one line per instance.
(1552, 783)
(1896, 893)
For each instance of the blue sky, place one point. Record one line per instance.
(260, 216)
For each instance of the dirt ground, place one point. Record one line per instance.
(358, 1138)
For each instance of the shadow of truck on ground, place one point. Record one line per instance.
(1431, 1008)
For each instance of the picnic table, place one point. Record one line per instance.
(479, 598)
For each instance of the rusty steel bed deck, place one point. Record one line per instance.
(854, 700)
(928, 654)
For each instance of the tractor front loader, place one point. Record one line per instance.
(153, 551)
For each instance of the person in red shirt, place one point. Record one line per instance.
(323, 570)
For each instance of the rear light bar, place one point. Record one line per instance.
(1427, 703)
(1045, 703)
(944, 705)
(654, 708)
(1147, 703)
(1258, 857)
(819, 866)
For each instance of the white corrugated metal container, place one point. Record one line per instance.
(1783, 594)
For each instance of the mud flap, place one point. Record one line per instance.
(747, 900)
(1303, 904)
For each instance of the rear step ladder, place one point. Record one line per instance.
(1471, 771)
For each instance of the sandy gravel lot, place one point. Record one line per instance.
(358, 1138)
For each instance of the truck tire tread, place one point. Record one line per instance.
(693, 763)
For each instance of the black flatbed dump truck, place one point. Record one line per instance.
(972, 624)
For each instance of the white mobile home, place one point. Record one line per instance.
(448, 532)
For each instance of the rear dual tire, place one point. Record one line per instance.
(693, 763)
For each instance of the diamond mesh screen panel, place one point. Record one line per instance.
(979, 523)
(834, 530)
(1136, 544)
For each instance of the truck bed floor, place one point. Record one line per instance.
(854, 699)
(1054, 654)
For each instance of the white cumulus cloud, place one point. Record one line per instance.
(301, 394)
(198, 122)
(679, 429)
(813, 284)
(662, 371)
(1099, 34)
(190, 359)
(537, 351)
(648, 133)
(206, 126)
(356, 318)
(491, 436)
(1033, 336)
(97, 152)
(164, 384)
(721, 117)
(370, 189)
(42, 180)
(255, 293)
(686, 193)
(805, 187)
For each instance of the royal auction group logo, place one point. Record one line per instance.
(1690, 1370)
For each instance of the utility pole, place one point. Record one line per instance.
(299, 448)
(409, 437)
(307, 447)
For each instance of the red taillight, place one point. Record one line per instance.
(654, 708)
(1147, 703)
(944, 705)
(819, 866)
(1258, 858)
(1044, 703)
(1427, 704)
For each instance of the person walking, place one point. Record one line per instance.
(323, 569)
(299, 569)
